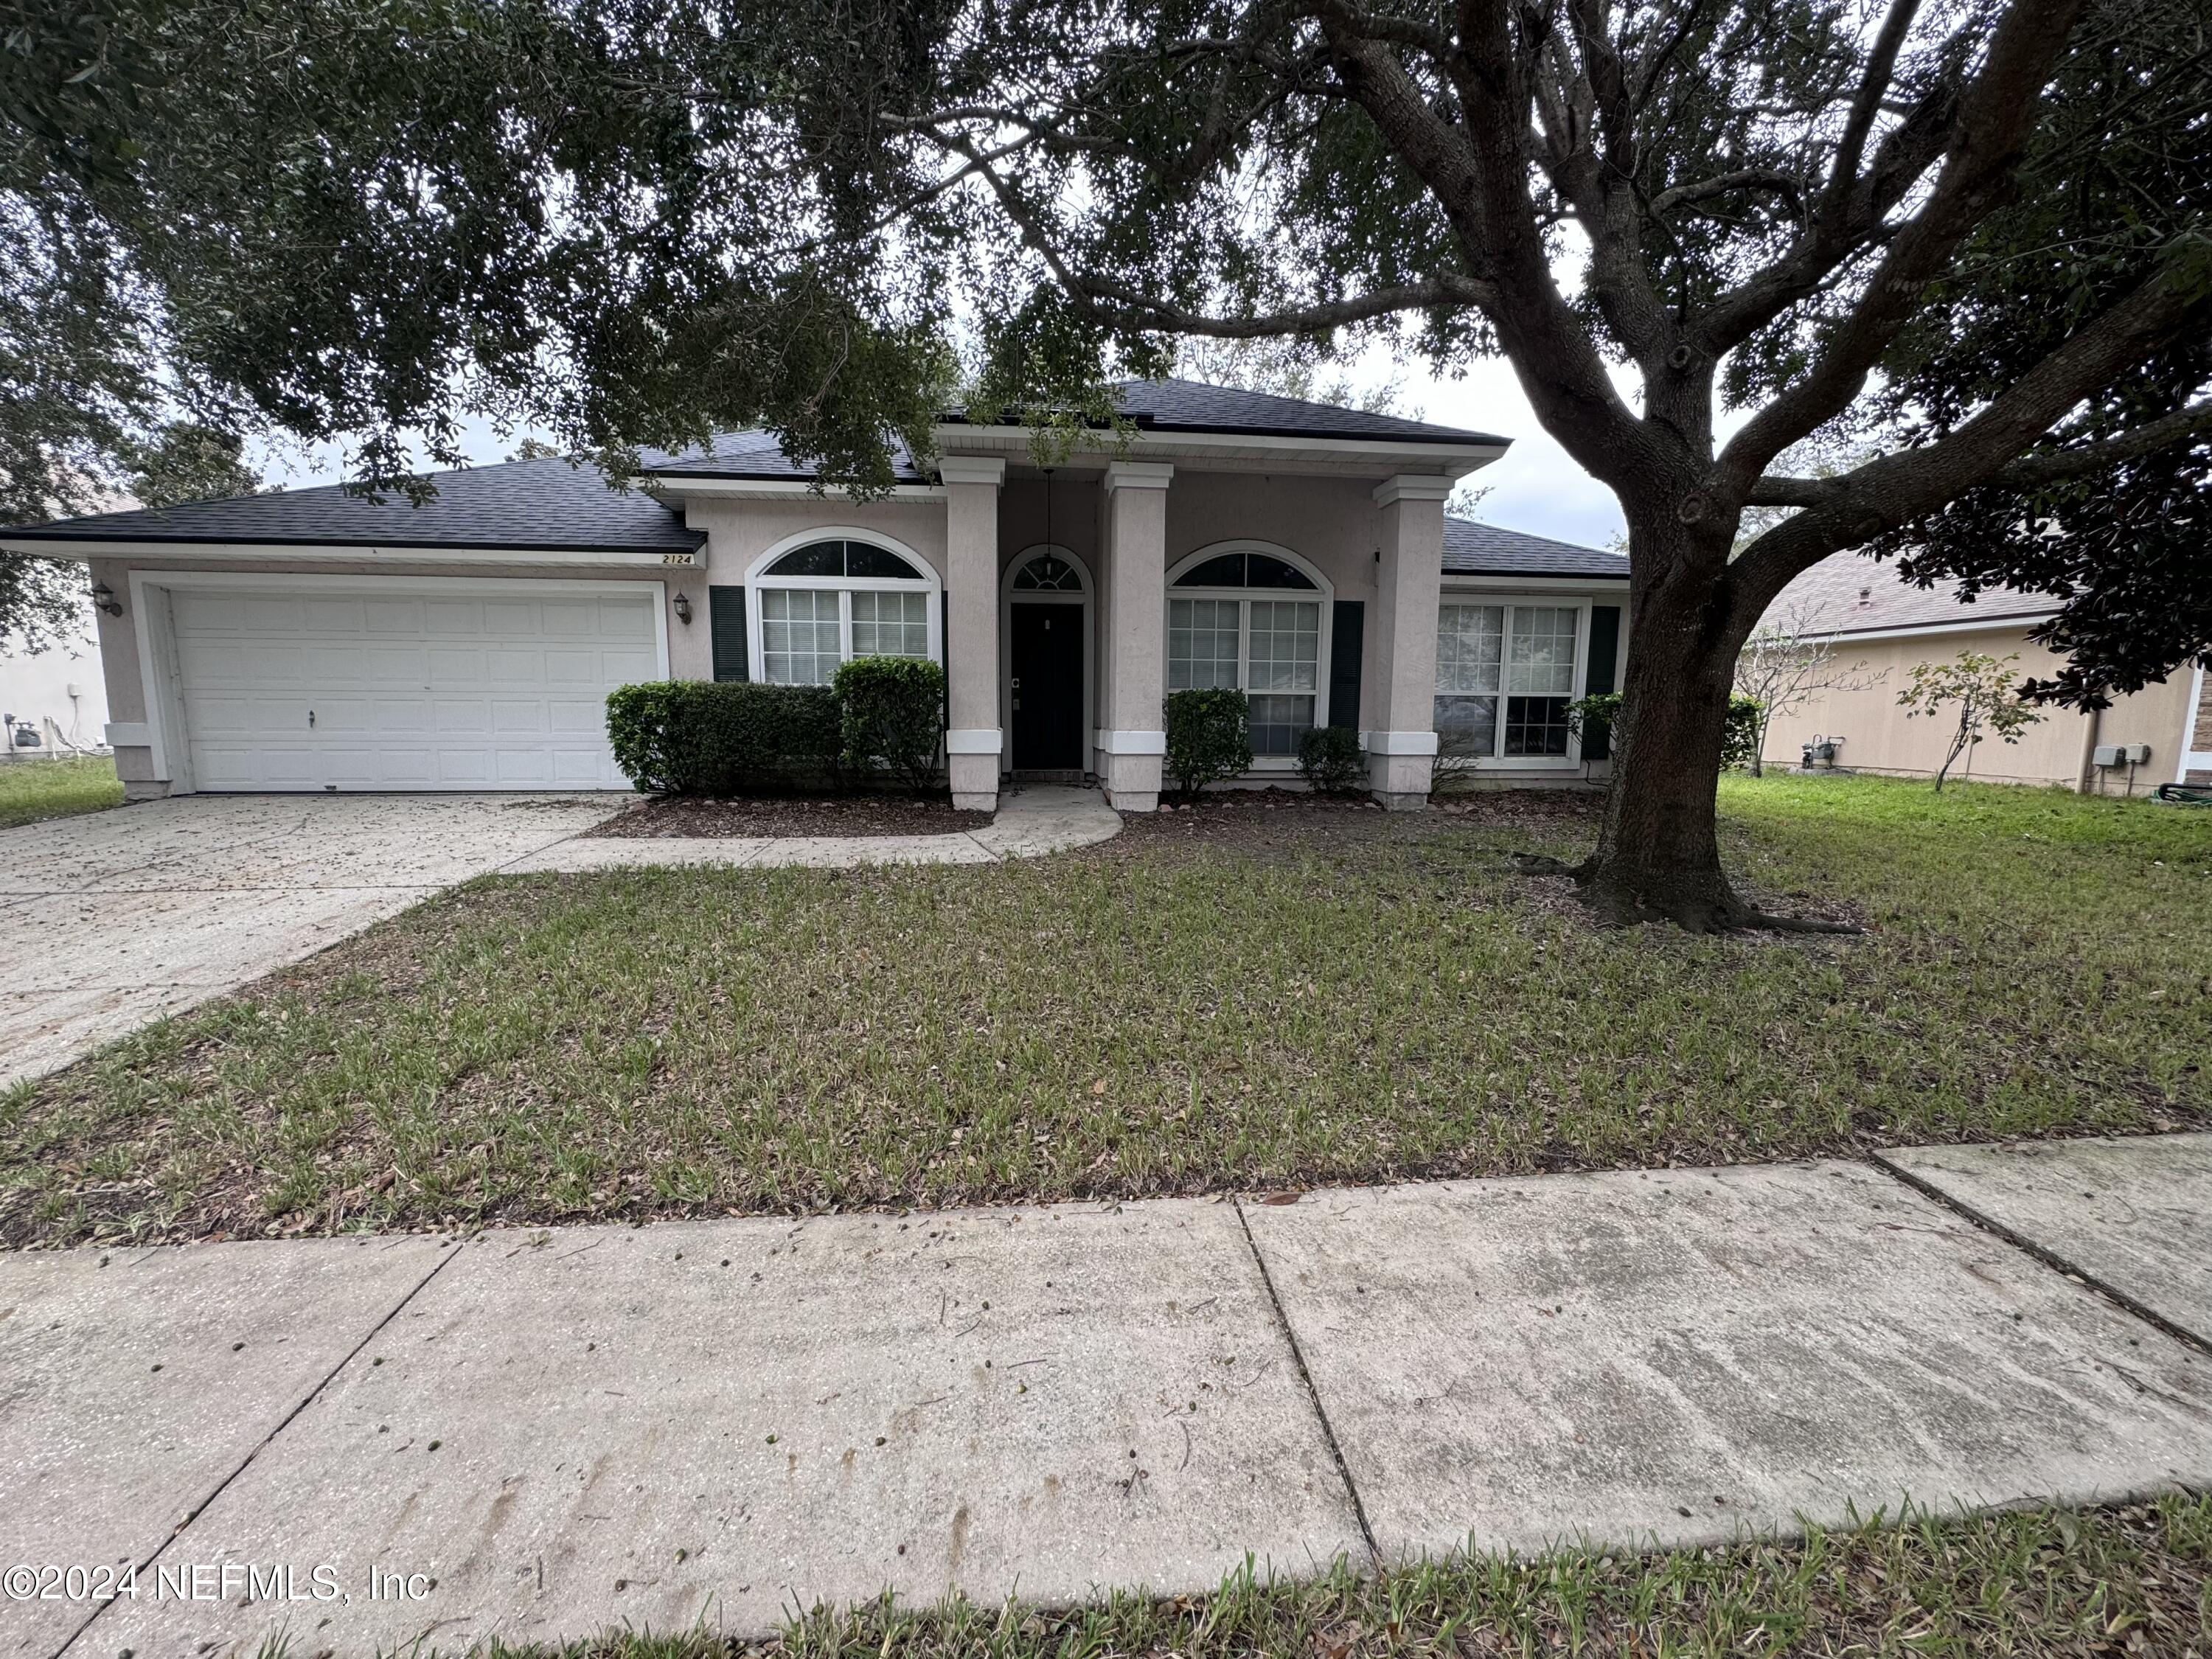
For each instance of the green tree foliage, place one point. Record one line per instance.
(185, 461)
(1978, 692)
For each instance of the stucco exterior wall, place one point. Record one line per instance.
(1333, 523)
(1879, 737)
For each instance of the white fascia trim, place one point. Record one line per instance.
(1602, 586)
(1453, 458)
(1413, 487)
(974, 740)
(972, 469)
(775, 489)
(1132, 743)
(1923, 630)
(323, 553)
(1399, 743)
(1137, 475)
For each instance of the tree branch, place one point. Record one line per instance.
(1995, 117)
(2055, 466)
(1772, 179)
(1903, 486)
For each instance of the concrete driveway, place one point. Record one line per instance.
(115, 919)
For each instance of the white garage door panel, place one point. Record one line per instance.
(489, 690)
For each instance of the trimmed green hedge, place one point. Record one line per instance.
(893, 714)
(1209, 737)
(723, 737)
(1331, 760)
(1601, 712)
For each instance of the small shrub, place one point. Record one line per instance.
(893, 714)
(722, 737)
(1208, 737)
(1601, 712)
(1332, 761)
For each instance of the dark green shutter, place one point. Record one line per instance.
(1347, 640)
(725, 622)
(1604, 647)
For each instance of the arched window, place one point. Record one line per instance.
(836, 597)
(1047, 573)
(1249, 616)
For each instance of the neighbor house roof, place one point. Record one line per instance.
(546, 504)
(1484, 549)
(1852, 593)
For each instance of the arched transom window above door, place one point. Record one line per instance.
(833, 597)
(1248, 616)
(1047, 573)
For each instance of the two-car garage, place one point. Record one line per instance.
(330, 682)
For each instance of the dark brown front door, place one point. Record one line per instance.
(1048, 687)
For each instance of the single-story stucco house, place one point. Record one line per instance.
(311, 640)
(1881, 626)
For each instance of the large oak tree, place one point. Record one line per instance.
(1965, 238)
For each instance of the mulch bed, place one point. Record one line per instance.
(1239, 815)
(830, 814)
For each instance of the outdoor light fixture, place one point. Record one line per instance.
(683, 609)
(103, 598)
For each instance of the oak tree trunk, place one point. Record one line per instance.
(1658, 850)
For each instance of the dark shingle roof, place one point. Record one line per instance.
(518, 504)
(1484, 549)
(753, 455)
(549, 504)
(1194, 406)
(1849, 593)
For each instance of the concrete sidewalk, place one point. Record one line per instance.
(539, 1435)
(1032, 821)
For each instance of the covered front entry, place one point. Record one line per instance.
(1047, 665)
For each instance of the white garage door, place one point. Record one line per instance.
(500, 687)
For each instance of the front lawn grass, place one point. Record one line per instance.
(31, 790)
(2025, 1585)
(1316, 996)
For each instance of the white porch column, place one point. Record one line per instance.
(1401, 748)
(974, 742)
(1131, 741)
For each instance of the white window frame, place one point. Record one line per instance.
(1498, 760)
(1323, 594)
(757, 582)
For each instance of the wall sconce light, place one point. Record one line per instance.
(683, 609)
(103, 598)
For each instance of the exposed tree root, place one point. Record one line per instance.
(1702, 904)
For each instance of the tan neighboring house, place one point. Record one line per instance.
(1881, 626)
(313, 640)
